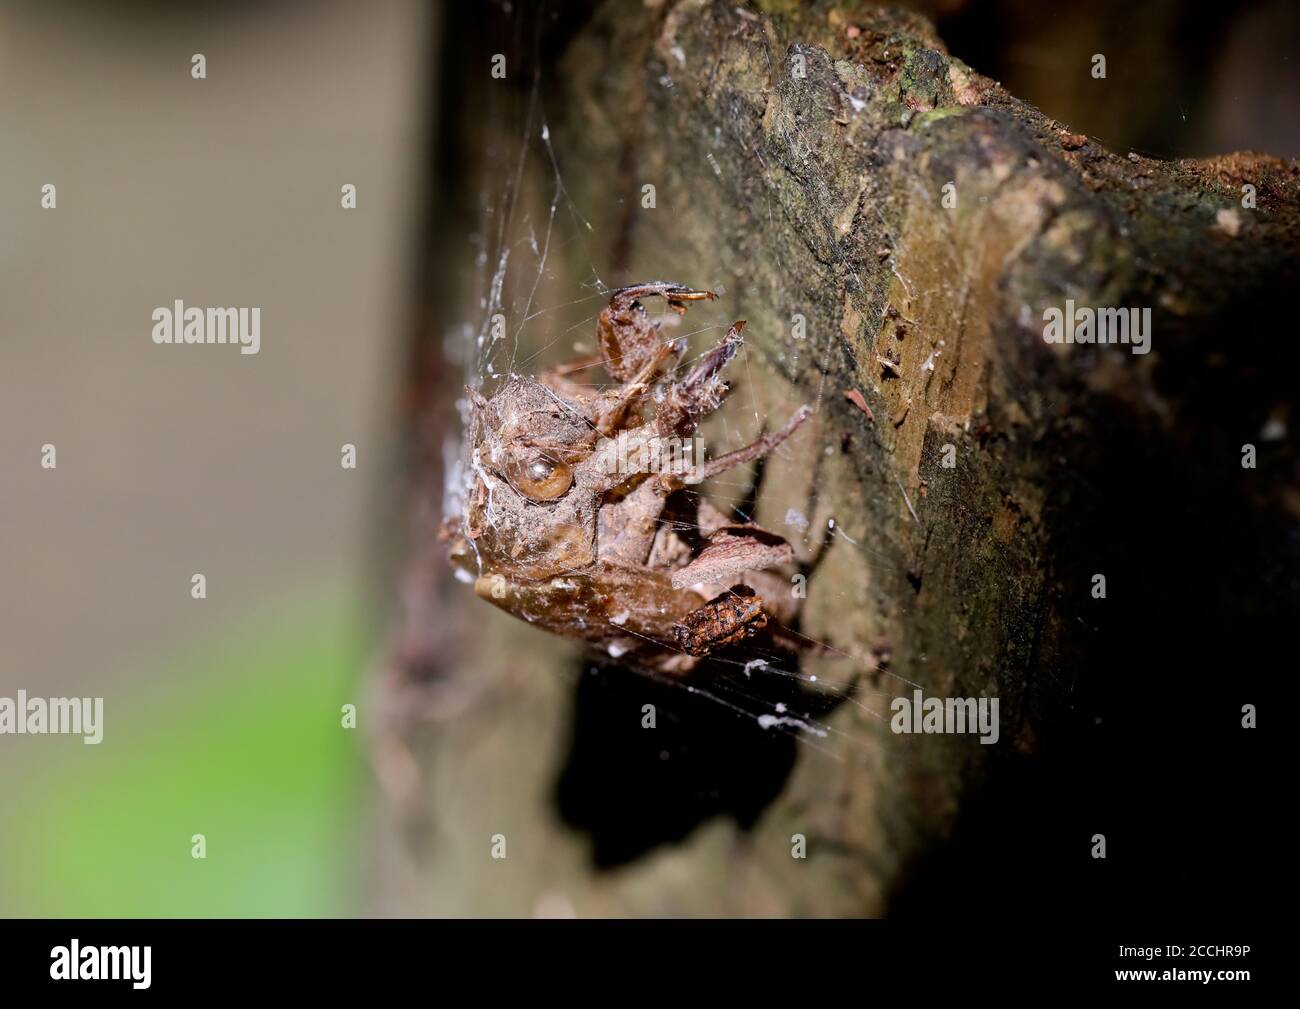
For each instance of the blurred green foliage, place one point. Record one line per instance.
(240, 739)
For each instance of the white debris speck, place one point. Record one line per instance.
(616, 649)
(1229, 222)
(679, 54)
(1274, 429)
(620, 618)
(929, 361)
(755, 664)
(796, 519)
(832, 527)
(463, 576)
(775, 721)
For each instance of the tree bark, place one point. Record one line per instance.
(980, 476)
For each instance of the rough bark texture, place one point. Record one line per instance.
(800, 153)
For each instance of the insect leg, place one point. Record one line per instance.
(755, 449)
(624, 297)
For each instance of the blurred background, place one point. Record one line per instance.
(223, 714)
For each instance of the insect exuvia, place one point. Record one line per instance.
(627, 556)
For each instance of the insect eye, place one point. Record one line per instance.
(541, 478)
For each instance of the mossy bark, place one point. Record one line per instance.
(800, 155)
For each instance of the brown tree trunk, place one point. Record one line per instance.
(801, 156)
